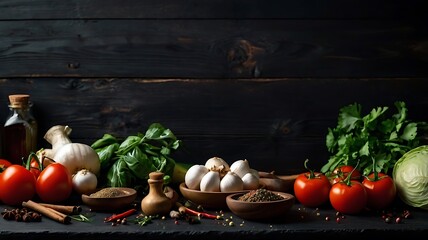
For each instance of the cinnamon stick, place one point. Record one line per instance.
(68, 210)
(48, 212)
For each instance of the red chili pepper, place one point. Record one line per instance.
(183, 209)
(120, 216)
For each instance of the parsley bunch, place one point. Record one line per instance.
(374, 142)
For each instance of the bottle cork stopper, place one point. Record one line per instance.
(19, 100)
(156, 175)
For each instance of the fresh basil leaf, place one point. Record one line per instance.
(106, 140)
(106, 155)
(119, 174)
(138, 163)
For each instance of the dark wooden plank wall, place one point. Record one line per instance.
(261, 80)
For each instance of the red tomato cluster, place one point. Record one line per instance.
(312, 189)
(22, 183)
(381, 191)
(17, 184)
(346, 194)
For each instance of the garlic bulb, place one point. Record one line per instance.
(210, 182)
(78, 156)
(217, 164)
(240, 167)
(255, 173)
(251, 181)
(84, 182)
(193, 176)
(231, 182)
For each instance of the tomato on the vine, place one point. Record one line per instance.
(342, 172)
(311, 189)
(381, 190)
(348, 196)
(54, 183)
(4, 164)
(17, 184)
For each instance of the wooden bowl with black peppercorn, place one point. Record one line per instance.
(260, 204)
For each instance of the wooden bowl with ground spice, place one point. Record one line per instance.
(110, 199)
(260, 204)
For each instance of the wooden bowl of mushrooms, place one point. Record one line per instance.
(208, 200)
(208, 185)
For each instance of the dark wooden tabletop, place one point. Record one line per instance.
(299, 223)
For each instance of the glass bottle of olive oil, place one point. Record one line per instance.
(20, 130)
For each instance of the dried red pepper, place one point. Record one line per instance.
(125, 214)
(182, 209)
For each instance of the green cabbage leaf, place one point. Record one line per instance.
(410, 174)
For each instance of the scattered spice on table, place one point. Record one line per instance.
(21, 215)
(191, 219)
(183, 209)
(143, 220)
(260, 195)
(121, 217)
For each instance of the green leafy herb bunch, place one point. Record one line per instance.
(375, 141)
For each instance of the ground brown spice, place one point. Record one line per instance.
(260, 195)
(107, 193)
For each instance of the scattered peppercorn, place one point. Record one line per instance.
(338, 219)
(388, 220)
(395, 217)
(398, 220)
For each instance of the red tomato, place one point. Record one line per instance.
(312, 190)
(54, 183)
(34, 167)
(348, 197)
(4, 164)
(17, 184)
(340, 173)
(381, 191)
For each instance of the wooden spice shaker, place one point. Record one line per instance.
(156, 202)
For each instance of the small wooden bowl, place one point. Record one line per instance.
(112, 203)
(260, 210)
(209, 200)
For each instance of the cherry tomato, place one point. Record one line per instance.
(4, 164)
(340, 173)
(348, 197)
(54, 183)
(381, 191)
(311, 189)
(17, 184)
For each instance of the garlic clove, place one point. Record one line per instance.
(210, 182)
(251, 181)
(231, 182)
(194, 175)
(240, 167)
